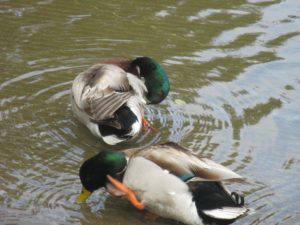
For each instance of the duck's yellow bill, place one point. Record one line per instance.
(83, 196)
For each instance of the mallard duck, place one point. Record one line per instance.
(109, 97)
(167, 180)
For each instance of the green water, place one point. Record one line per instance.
(235, 73)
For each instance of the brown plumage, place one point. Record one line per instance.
(182, 161)
(100, 91)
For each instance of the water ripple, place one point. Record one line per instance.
(234, 71)
(33, 74)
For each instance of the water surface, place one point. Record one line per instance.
(235, 74)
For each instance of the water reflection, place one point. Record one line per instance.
(234, 69)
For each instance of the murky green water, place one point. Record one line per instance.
(234, 67)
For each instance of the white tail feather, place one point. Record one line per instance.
(226, 213)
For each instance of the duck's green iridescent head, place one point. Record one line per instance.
(93, 171)
(156, 79)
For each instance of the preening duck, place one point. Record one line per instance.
(167, 180)
(109, 97)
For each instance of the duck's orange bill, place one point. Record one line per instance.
(147, 124)
(129, 193)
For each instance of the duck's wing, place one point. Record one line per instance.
(184, 163)
(103, 108)
(101, 90)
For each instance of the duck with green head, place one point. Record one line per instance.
(167, 180)
(109, 97)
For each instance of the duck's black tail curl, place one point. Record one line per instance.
(215, 205)
(238, 199)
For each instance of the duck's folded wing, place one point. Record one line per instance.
(103, 107)
(212, 171)
(186, 165)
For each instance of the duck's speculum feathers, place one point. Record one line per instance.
(185, 177)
